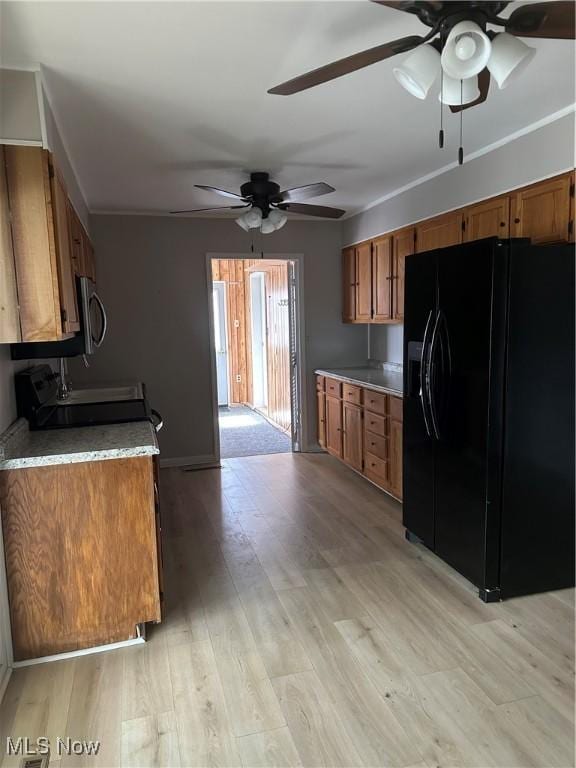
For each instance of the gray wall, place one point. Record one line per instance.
(534, 156)
(151, 274)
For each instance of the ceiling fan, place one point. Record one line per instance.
(458, 47)
(267, 206)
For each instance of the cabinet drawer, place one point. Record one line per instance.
(352, 394)
(396, 408)
(320, 383)
(375, 423)
(333, 387)
(376, 444)
(376, 469)
(374, 401)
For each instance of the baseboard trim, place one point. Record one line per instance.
(81, 652)
(190, 461)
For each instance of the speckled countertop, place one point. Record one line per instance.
(20, 447)
(387, 380)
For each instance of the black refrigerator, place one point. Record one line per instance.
(489, 412)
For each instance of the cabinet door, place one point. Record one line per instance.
(382, 279)
(542, 211)
(334, 426)
(321, 404)
(395, 461)
(9, 315)
(352, 435)
(66, 283)
(76, 242)
(364, 283)
(402, 246)
(348, 285)
(439, 232)
(487, 219)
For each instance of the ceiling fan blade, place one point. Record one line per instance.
(313, 210)
(347, 65)
(550, 20)
(483, 85)
(222, 192)
(305, 192)
(221, 208)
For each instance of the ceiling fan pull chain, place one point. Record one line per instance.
(441, 134)
(461, 148)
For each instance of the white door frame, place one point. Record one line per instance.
(259, 278)
(224, 330)
(299, 341)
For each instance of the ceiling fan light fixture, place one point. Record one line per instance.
(466, 52)
(267, 227)
(251, 219)
(417, 73)
(510, 56)
(454, 94)
(242, 222)
(277, 218)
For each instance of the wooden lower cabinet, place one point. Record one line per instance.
(352, 435)
(82, 560)
(334, 425)
(364, 429)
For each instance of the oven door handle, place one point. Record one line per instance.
(159, 423)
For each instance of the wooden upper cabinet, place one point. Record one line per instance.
(348, 285)
(352, 435)
(542, 211)
(439, 232)
(81, 247)
(364, 282)
(334, 425)
(9, 315)
(41, 240)
(66, 281)
(487, 219)
(382, 279)
(402, 245)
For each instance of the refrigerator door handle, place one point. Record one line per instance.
(431, 377)
(424, 375)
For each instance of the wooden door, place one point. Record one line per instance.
(321, 416)
(348, 285)
(439, 232)
(402, 246)
(9, 315)
(66, 283)
(364, 283)
(572, 207)
(487, 219)
(395, 462)
(542, 211)
(334, 426)
(352, 435)
(382, 279)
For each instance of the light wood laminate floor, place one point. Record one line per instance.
(302, 629)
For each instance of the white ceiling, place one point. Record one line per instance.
(154, 97)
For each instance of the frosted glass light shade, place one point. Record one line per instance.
(466, 52)
(277, 218)
(417, 73)
(451, 94)
(251, 219)
(510, 56)
(242, 223)
(267, 227)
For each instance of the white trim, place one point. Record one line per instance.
(21, 142)
(552, 118)
(81, 652)
(46, 91)
(39, 91)
(186, 461)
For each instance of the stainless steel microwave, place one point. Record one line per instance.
(93, 327)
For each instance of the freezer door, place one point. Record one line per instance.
(418, 444)
(538, 474)
(460, 362)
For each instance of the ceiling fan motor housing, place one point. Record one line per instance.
(261, 191)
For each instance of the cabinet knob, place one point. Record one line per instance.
(516, 221)
(503, 223)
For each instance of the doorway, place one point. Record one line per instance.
(256, 356)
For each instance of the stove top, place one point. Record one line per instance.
(88, 414)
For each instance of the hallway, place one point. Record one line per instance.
(244, 432)
(301, 629)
